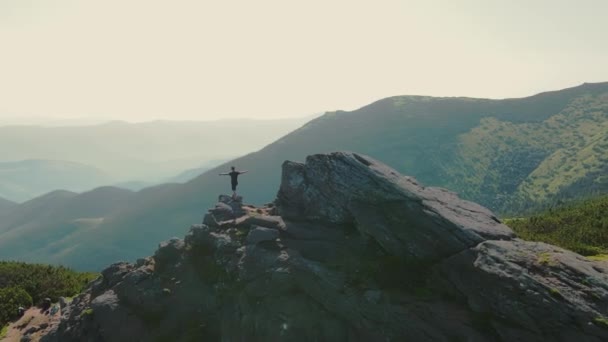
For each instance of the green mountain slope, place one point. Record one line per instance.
(511, 154)
(581, 227)
(517, 164)
(46, 227)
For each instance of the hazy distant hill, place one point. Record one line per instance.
(23, 180)
(182, 177)
(6, 205)
(144, 152)
(507, 154)
(190, 174)
(52, 224)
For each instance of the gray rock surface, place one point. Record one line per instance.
(535, 286)
(63, 302)
(348, 188)
(169, 252)
(349, 251)
(226, 209)
(260, 234)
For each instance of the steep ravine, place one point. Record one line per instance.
(350, 250)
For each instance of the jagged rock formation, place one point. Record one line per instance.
(349, 251)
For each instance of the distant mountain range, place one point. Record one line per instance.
(6, 205)
(190, 174)
(182, 177)
(27, 179)
(37, 159)
(510, 155)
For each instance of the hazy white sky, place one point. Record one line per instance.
(193, 59)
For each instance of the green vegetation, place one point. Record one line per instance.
(11, 298)
(581, 227)
(3, 331)
(545, 259)
(42, 281)
(601, 321)
(516, 167)
(87, 312)
(598, 257)
(555, 293)
(24, 284)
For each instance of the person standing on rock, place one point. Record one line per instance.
(234, 175)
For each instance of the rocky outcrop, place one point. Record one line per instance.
(405, 218)
(531, 291)
(349, 251)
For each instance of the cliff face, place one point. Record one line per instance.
(349, 251)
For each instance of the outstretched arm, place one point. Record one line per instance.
(224, 174)
(244, 171)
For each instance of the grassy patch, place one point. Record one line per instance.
(598, 257)
(241, 233)
(546, 259)
(555, 293)
(87, 312)
(601, 321)
(3, 332)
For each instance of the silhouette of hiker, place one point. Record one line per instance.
(234, 175)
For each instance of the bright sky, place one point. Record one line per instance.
(196, 59)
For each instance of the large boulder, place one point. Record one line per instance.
(226, 209)
(404, 217)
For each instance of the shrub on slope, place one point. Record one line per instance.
(580, 227)
(11, 298)
(41, 281)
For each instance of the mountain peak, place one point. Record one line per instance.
(350, 250)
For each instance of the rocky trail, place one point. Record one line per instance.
(350, 250)
(31, 326)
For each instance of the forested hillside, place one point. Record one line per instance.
(581, 227)
(522, 166)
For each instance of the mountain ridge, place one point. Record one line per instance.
(145, 152)
(488, 151)
(29, 178)
(6, 205)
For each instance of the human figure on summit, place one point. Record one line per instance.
(234, 175)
